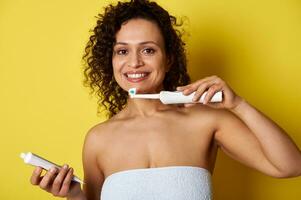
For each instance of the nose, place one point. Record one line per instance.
(134, 60)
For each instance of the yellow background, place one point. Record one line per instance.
(254, 45)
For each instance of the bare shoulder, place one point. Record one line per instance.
(97, 137)
(97, 131)
(100, 131)
(93, 173)
(200, 110)
(223, 121)
(202, 114)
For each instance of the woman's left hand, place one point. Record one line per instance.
(213, 84)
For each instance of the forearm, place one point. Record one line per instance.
(278, 147)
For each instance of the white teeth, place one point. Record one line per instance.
(136, 75)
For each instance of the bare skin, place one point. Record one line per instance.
(147, 133)
(174, 136)
(170, 137)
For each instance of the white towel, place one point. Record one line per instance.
(160, 183)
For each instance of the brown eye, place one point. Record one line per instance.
(121, 52)
(149, 51)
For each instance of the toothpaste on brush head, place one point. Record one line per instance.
(167, 97)
(35, 160)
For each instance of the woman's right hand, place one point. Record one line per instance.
(57, 181)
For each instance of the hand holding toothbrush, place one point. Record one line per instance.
(212, 84)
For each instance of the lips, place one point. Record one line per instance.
(135, 77)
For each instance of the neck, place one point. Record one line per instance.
(145, 107)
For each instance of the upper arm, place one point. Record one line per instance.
(93, 175)
(236, 139)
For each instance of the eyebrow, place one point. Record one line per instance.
(146, 42)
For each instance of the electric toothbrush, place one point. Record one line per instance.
(176, 97)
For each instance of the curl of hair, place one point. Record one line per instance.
(98, 69)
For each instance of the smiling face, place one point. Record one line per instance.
(139, 59)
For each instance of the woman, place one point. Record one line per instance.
(148, 150)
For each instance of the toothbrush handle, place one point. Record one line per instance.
(168, 97)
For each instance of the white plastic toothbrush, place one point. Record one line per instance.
(176, 97)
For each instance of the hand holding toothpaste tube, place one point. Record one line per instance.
(58, 180)
(212, 84)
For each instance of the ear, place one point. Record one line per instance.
(170, 60)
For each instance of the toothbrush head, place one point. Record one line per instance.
(132, 92)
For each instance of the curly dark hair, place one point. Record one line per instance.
(98, 70)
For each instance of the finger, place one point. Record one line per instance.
(191, 89)
(181, 88)
(47, 179)
(196, 84)
(206, 79)
(211, 91)
(36, 176)
(66, 184)
(201, 89)
(59, 179)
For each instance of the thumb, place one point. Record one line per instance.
(215, 105)
(189, 104)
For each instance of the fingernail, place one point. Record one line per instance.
(65, 166)
(52, 169)
(37, 169)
